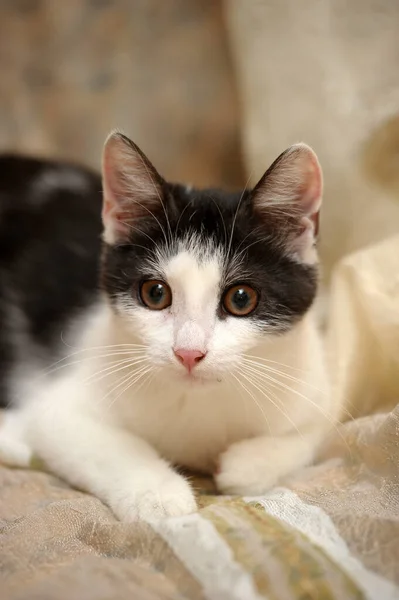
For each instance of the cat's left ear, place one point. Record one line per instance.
(289, 195)
(132, 188)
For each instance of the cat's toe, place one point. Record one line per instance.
(237, 483)
(241, 473)
(171, 498)
(163, 503)
(15, 453)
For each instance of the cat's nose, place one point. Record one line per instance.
(189, 358)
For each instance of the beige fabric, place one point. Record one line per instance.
(332, 532)
(325, 72)
(364, 329)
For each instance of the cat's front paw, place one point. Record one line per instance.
(14, 450)
(252, 467)
(170, 496)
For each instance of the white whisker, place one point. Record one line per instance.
(122, 381)
(181, 214)
(273, 362)
(254, 399)
(279, 408)
(236, 214)
(111, 370)
(242, 396)
(51, 371)
(156, 219)
(160, 199)
(221, 216)
(273, 382)
(141, 232)
(130, 381)
(268, 369)
(272, 370)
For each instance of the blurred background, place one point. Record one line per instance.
(213, 91)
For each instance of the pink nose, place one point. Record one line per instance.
(189, 358)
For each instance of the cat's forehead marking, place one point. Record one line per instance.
(194, 274)
(195, 282)
(191, 270)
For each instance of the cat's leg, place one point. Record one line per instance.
(14, 450)
(251, 467)
(123, 470)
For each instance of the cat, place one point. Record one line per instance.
(198, 348)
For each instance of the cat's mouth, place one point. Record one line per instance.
(199, 379)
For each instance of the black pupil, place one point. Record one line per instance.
(156, 293)
(240, 299)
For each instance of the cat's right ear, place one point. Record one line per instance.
(288, 197)
(132, 188)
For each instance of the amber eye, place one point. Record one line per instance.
(240, 300)
(155, 294)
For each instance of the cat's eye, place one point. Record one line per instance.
(240, 300)
(155, 294)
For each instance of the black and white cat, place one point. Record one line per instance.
(199, 348)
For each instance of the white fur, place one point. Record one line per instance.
(51, 180)
(118, 442)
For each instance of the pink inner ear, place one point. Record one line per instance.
(114, 180)
(131, 187)
(312, 187)
(316, 222)
(113, 215)
(293, 182)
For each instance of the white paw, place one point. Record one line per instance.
(170, 496)
(252, 467)
(14, 451)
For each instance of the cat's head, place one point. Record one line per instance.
(202, 276)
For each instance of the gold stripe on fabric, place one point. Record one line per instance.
(283, 562)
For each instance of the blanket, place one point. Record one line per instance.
(331, 532)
